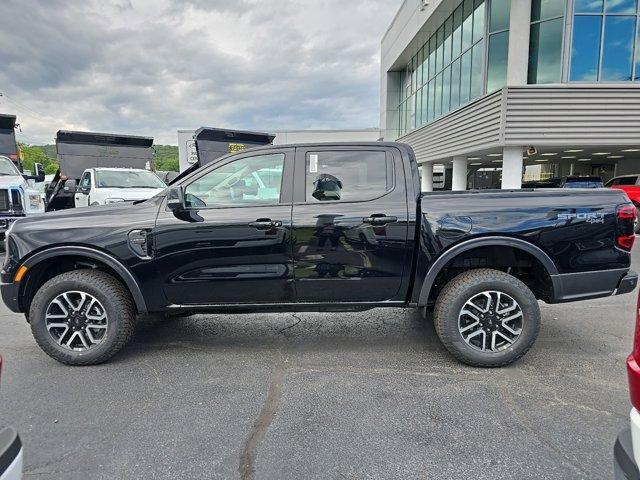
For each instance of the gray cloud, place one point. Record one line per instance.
(153, 66)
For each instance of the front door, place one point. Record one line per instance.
(83, 191)
(350, 222)
(232, 244)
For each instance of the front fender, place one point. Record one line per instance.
(123, 272)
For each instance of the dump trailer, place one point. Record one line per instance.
(78, 151)
(213, 143)
(8, 145)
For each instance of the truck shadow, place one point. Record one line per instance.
(379, 329)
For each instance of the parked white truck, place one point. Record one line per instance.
(102, 186)
(19, 196)
(92, 163)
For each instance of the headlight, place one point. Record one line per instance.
(34, 200)
(114, 200)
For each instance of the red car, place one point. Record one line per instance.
(627, 448)
(629, 184)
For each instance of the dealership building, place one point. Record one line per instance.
(514, 89)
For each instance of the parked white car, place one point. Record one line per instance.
(101, 186)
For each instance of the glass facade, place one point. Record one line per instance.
(605, 41)
(545, 47)
(466, 56)
(449, 69)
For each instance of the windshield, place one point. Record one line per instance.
(128, 179)
(584, 184)
(7, 167)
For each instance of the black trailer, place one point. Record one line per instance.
(78, 151)
(8, 145)
(213, 143)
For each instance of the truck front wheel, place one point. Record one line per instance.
(487, 318)
(83, 317)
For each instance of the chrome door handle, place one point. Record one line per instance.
(265, 224)
(379, 219)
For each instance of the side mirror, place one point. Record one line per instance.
(39, 172)
(175, 199)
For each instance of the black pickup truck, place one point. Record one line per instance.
(331, 227)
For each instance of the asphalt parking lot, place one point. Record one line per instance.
(344, 396)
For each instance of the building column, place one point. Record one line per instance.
(427, 177)
(518, 57)
(459, 178)
(512, 158)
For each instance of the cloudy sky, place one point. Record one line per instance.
(150, 67)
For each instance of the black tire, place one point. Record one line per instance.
(113, 296)
(464, 287)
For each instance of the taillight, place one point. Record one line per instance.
(625, 226)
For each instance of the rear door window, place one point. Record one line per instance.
(348, 176)
(627, 181)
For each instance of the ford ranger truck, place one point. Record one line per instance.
(318, 227)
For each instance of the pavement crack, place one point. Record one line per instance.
(282, 330)
(262, 423)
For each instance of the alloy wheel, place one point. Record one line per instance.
(490, 321)
(76, 320)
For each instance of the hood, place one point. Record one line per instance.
(104, 227)
(129, 193)
(110, 215)
(7, 181)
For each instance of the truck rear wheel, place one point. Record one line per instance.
(487, 318)
(83, 317)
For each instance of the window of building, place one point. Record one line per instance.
(604, 46)
(499, 15)
(348, 176)
(545, 47)
(450, 65)
(498, 49)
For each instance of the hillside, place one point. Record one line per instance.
(165, 157)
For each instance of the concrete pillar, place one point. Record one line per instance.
(518, 58)
(459, 178)
(512, 158)
(427, 177)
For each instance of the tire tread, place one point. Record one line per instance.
(111, 288)
(453, 290)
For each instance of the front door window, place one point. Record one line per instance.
(248, 181)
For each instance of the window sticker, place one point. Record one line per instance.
(313, 163)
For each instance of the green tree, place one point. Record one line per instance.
(165, 158)
(32, 154)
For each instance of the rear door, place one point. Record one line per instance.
(350, 224)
